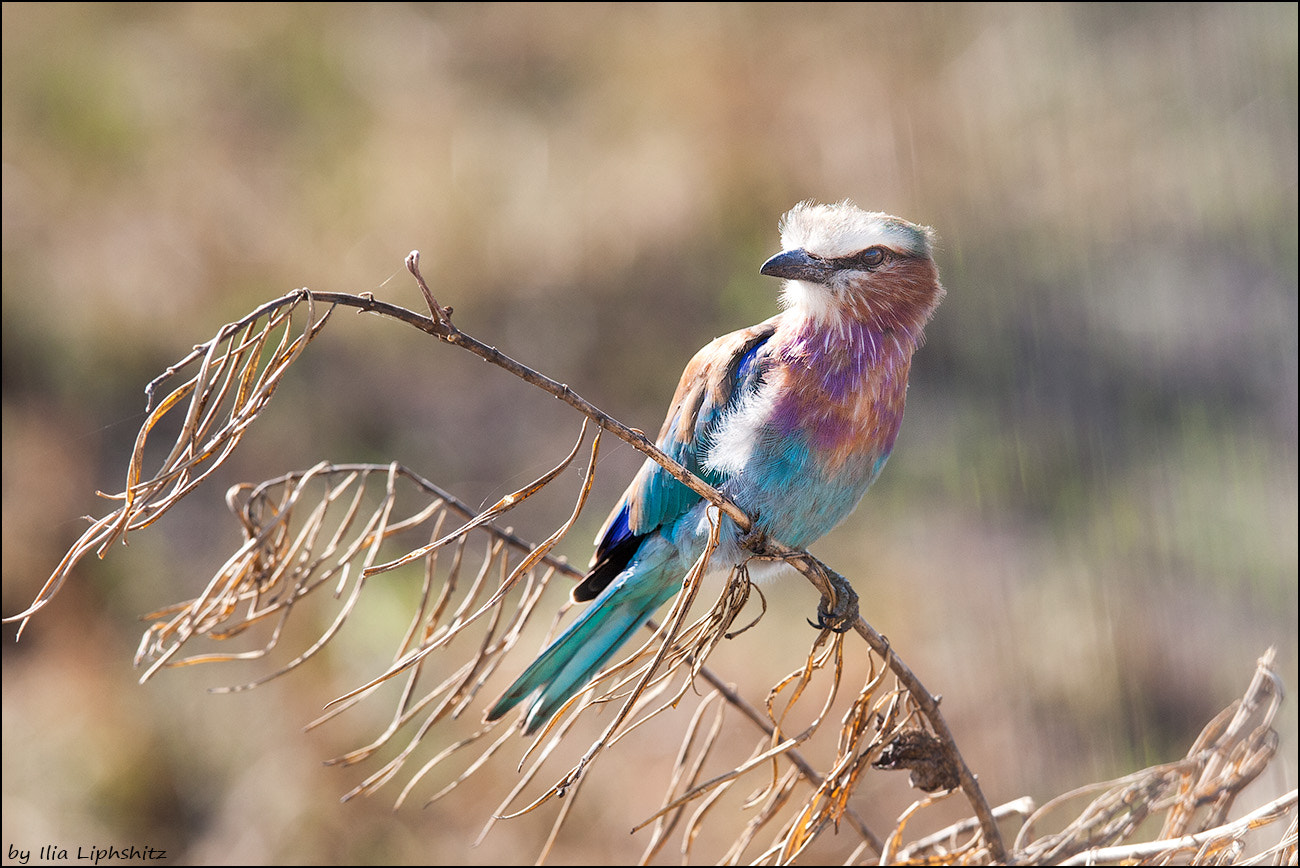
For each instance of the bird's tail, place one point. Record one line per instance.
(576, 656)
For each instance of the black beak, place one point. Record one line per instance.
(797, 265)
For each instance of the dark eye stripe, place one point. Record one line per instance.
(868, 260)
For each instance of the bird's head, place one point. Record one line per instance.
(842, 263)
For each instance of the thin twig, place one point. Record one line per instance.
(1167, 847)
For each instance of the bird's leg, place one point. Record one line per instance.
(839, 611)
(754, 540)
(838, 608)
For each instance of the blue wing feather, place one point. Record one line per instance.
(717, 379)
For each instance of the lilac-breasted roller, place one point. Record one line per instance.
(792, 419)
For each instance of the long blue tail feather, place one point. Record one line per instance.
(575, 657)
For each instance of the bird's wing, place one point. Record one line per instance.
(715, 381)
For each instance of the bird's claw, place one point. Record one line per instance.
(837, 614)
(829, 620)
(753, 540)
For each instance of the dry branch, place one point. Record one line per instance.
(343, 527)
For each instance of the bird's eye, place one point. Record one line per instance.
(872, 257)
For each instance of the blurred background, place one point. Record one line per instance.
(1084, 540)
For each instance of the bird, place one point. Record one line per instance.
(792, 418)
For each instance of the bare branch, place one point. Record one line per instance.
(346, 526)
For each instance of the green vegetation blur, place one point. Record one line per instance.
(1086, 534)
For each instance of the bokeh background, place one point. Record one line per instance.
(1084, 540)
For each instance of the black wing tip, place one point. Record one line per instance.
(606, 569)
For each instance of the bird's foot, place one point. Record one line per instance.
(754, 541)
(837, 613)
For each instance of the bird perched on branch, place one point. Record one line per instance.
(792, 418)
